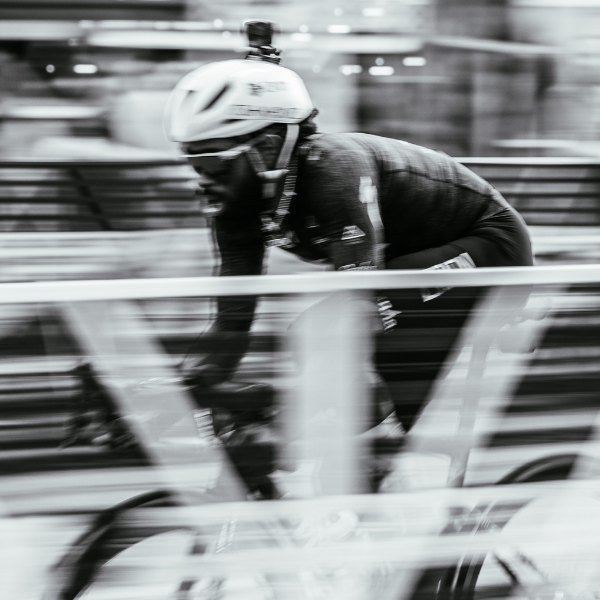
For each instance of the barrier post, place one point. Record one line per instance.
(150, 396)
(331, 343)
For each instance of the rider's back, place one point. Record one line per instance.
(425, 198)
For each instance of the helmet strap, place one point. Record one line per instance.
(282, 177)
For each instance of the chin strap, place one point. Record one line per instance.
(285, 171)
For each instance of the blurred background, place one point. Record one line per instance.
(86, 80)
(90, 189)
(469, 77)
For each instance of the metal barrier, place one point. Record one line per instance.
(100, 195)
(546, 191)
(338, 329)
(314, 283)
(397, 530)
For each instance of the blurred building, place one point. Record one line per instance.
(74, 10)
(469, 77)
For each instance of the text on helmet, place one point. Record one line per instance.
(248, 110)
(256, 89)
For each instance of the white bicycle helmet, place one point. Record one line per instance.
(239, 97)
(233, 98)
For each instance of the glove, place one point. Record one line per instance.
(203, 376)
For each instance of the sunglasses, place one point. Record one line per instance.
(213, 163)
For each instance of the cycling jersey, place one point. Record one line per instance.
(365, 202)
(425, 198)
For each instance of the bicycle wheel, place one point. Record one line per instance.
(93, 554)
(557, 554)
(549, 547)
(126, 556)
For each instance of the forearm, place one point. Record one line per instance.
(228, 336)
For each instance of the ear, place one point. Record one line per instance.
(270, 148)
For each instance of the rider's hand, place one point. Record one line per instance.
(248, 400)
(203, 376)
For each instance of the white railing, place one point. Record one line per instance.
(315, 283)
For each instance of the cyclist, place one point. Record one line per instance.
(358, 201)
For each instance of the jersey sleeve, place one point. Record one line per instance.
(241, 251)
(343, 191)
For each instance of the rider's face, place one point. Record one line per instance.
(227, 180)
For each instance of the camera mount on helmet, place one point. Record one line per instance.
(260, 39)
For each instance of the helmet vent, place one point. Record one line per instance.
(216, 98)
(188, 97)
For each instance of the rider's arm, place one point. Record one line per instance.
(241, 249)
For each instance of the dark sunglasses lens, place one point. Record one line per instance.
(211, 165)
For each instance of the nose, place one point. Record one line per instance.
(205, 180)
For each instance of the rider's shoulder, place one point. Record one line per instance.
(365, 143)
(322, 147)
